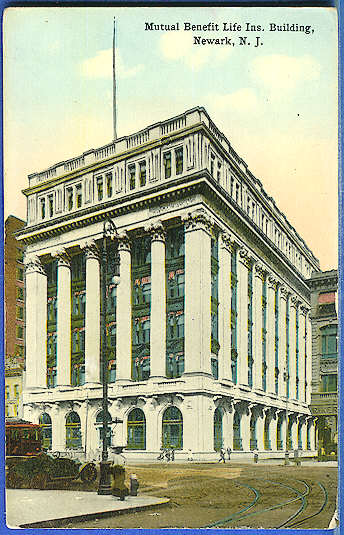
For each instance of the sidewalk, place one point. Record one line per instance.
(29, 507)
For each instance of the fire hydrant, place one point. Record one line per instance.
(134, 485)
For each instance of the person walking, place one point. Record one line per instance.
(222, 455)
(229, 451)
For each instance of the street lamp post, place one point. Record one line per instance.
(105, 480)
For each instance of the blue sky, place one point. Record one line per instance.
(277, 103)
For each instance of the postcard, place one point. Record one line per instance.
(171, 277)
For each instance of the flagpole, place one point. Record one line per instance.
(114, 81)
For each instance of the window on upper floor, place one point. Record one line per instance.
(132, 173)
(327, 303)
(20, 274)
(19, 350)
(100, 188)
(179, 160)
(20, 312)
(231, 186)
(329, 383)
(16, 391)
(20, 331)
(167, 164)
(237, 193)
(329, 341)
(69, 198)
(142, 173)
(42, 205)
(51, 205)
(109, 184)
(78, 195)
(218, 171)
(7, 392)
(19, 255)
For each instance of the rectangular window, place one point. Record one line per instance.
(20, 313)
(19, 350)
(20, 293)
(69, 198)
(20, 332)
(109, 184)
(167, 164)
(100, 188)
(218, 171)
(329, 383)
(142, 171)
(20, 255)
(179, 160)
(78, 196)
(212, 164)
(16, 391)
(132, 173)
(42, 208)
(51, 205)
(20, 274)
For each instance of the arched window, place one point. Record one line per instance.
(237, 442)
(99, 425)
(172, 428)
(218, 439)
(73, 431)
(267, 443)
(136, 430)
(46, 427)
(253, 434)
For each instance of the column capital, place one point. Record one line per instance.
(33, 264)
(197, 220)
(284, 292)
(295, 301)
(244, 257)
(157, 231)
(304, 310)
(91, 249)
(123, 242)
(63, 258)
(260, 271)
(272, 282)
(227, 242)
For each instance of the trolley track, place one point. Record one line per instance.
(243, 514)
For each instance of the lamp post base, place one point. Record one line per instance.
(105, 478)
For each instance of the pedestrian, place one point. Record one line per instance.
(229, 451)
(255, 455)
(222, 455)
(168, 455)
(172, 454)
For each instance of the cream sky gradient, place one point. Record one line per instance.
(277, 104)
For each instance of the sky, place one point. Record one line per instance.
(275, 102)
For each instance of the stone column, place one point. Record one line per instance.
(92, 316)
(312, 434)
(302, 357)
(260, 428)
(258, 277)
(283, 429)
(158, 303)
(227, 423)
(308, 370)
(282, 384)
(245, 427)
(225, 251)
(197, 292)
(293, 433)
(242, 290)
(270, 335)
(36, 324)
(55, 428)
(64, 319)
(304, 433)
(292, 347)
(273, 430)
(123, 312)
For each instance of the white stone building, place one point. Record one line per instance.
(208, 330)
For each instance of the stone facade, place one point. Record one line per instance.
(208, 336)
(324, 320)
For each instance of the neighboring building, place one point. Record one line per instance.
(324, 319)
(14, 316)
(208, 330)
